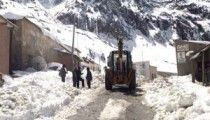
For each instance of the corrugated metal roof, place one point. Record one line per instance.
(194, 41)
(199, 53)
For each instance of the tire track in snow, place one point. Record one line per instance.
(115, 105)
(79, 102)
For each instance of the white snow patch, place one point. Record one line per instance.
(114, 110)
(178, 98)
(81, 100)
(163, 57)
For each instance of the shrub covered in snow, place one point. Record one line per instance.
(54, 66)
(38, 63)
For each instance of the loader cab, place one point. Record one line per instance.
(114, 58)
(120, 71)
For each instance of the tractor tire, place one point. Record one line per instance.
(132, 85)
(108, 83)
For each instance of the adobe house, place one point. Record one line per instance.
(6, 28)
(91, 64)
(29, 41)
(183, 48)
(193, 58)
(200, 63)
(145, 69)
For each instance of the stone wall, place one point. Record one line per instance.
(4, 48)
(31, 42)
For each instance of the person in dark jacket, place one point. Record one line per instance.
(89, 77)
(63, 72)
(74, 78)
(79, 78)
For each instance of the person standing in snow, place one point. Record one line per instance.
(74, 78)
(63, 72)
(79, 78)
(89, 77)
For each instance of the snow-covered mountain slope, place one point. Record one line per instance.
(158, 20)
(148, 27)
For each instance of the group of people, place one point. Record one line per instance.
(77, 76)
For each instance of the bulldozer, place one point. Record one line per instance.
(120, 70)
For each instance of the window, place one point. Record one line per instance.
(181, 57)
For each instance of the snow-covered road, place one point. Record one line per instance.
(107, 105)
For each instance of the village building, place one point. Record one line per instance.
(193, 58)
(145, 71)
(91, 64)
(28, 45)
(6, 28)
(29, 42)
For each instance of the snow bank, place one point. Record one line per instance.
(82, 100)
(33, 95)
(178, 98)
(37, 96)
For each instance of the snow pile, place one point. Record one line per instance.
(115, 109)
(80, 101)
(178, 98)
(36, 96)
(82, 98)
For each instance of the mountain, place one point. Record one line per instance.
(157, 20)
(145, 25)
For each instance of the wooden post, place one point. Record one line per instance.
(10, 50)
(1, 80)
(192, 62)
(203, 68)
(72, 54)
(0, 76)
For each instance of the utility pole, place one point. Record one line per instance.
(142, 52)
(72, 54)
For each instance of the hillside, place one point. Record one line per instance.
(147, 26)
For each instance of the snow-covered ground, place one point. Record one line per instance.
(177, 98)
(40, 95)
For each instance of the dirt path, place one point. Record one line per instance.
(115, 105)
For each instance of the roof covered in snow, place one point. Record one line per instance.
(194, 41)
(4, 20)
(12, 16)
